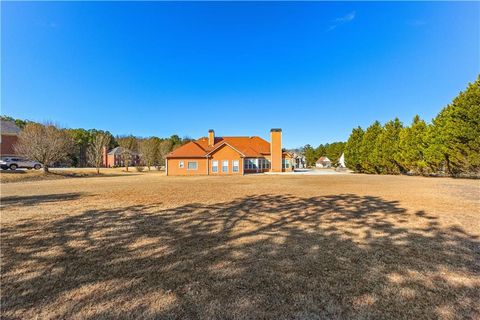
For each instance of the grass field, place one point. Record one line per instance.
(24, 175)
(146, 246)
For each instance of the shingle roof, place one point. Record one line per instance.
(247, 146)
(190, 150)
(9, 127)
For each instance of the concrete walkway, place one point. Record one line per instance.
(311, 172)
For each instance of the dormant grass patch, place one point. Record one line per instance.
(142, 245)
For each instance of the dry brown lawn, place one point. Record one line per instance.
(146, 246)
(7, 176)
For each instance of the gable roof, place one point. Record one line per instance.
(221, 144)
(191, 149)
(246, 146)
(9, 127)
(323, 159)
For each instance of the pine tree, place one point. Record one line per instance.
(388, 148)
(455, 135)
(320, 151)
(353, 158)
(310, 155)
(412, 145)
(334, 150)
(369, 149)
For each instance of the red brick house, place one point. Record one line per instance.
(9, 136)
(229, 156)
(114, 158)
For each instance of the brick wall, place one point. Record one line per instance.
(173, 167)
(6, 145)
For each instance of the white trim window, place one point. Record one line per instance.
(285, 163)
(181, 164)
(225, 166)
(250, 164)
(214, 166)
(235, 165)
(192, 165)
(263, 163)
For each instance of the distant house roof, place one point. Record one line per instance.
(119, 151)
(323, 159)
(246, 146)
(9, 127)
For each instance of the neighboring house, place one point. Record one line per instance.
(114, 158)
(299, 160)
(9, 136)
(229, 156)
(323, 162)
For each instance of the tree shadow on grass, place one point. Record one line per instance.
(18, 201)
(264, 256)
(12, 176)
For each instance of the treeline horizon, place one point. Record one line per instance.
(449, 145)
(156, 148)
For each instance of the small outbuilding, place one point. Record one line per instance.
(323, 162)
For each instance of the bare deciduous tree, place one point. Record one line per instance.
(128, 144)
(96, 149)
(44, 143)
(149, 149)
(163, 149)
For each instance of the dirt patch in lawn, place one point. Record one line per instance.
(241, 247)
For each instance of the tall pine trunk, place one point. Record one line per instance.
(447, 162)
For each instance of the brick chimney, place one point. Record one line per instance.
(276, 150)
(211, 137)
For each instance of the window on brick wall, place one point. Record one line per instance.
(192, 165)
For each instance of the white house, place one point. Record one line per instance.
(323, 162)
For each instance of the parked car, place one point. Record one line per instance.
(14, 163)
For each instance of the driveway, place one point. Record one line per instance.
(311, 172)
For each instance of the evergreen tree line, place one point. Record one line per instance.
(449, 145)
(153, 149)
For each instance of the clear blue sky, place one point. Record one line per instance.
(316, 70)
